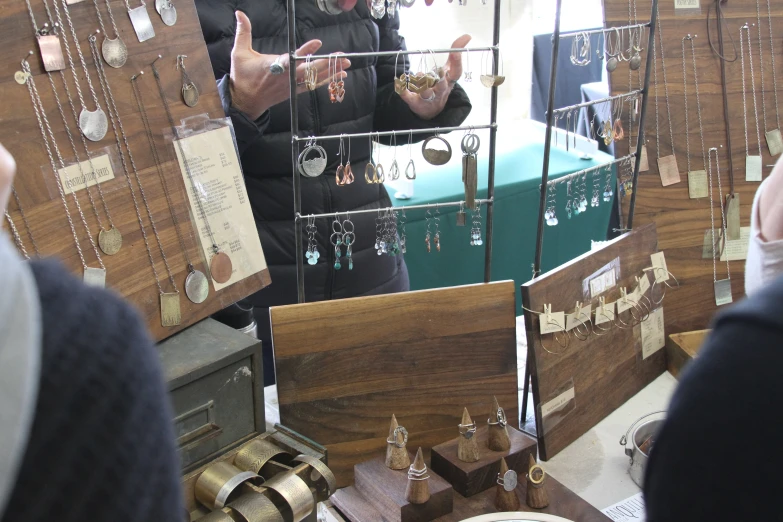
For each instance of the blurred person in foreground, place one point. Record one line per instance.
(85, 422)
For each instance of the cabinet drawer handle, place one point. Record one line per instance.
(207, 431)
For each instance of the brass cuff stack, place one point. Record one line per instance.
(296, 493)
(321, 475)
(218, 482)
(256, 454)
(255, 507)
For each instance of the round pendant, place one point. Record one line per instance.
(160, 4)
(312, 168)
(220, 267)
(636, 62)
(114, 52)
(93, 124)
(197, 286)
(20, 77)
(434, 156)
(611, 64)
(169, 15)
(190, 94)
(110, 241)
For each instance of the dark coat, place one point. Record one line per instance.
(265, 145)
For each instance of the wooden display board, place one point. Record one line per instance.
(344, 367)
(592, 377)
(682, 221)
(128, 272)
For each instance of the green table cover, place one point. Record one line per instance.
(517, 180)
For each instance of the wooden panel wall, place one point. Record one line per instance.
(681, 221)
(128, 272)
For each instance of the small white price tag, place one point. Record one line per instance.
(644, 285)
(686, 4)
(659, 264)
(653, 337)
(551, 322)
(576, 318)
(626, 303)
(605, 313)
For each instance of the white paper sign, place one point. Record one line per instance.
(74, 180)
(552, 322)
(558, 402)
(604, 314)
(215, 168)
(686, 4)
(659, 263)
(575, 319)
(737, 250)
(644, 285)
(653, 336)
(602, 283)
(629, 510)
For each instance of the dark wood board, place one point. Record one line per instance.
(344, 368)
(682, 221)
(562, 502)
(128, 272)
(605, 370)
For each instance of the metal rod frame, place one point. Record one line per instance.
(582, 172)
(597, 102)
(603, 30)
(431, 130)
(295, 138)
(387, 209)
(397, 53)
(545, 169)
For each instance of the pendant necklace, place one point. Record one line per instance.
(169, 301)
(189, 90)
(24, 220)
(92, 123)
(196, 283)
(92, 276)
(774, 139)
(48, 42)
(752, 162)
(17, 239)
(722, 287)
(140, 19)
(114, 50)
(167, 11)
(220, 266)
(697, 179)
(667, 165)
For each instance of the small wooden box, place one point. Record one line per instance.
(385, 488)
(469, 478)
(215, 379)
(681, 348)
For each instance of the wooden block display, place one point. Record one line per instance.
(344, 368)
(384, 488)
(129, 271)
(681, 348)
(562, 502)
(602, 372)
(469, 478)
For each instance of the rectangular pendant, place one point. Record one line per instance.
(142, 24)
(464, 168)
(668, 170)
(774, 142)
(169, 310)
(51, 52)
(95, 277)
(733, 217)
(752, 168)
(471, 180)
(723, 292)
(461, 218)
(697, 184)
(644, 163)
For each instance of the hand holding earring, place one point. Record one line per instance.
(431, 102)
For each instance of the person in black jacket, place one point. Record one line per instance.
(257, 102)
(717, 456)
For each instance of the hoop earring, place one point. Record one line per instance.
(582, 324)
(666, 283)
(554, 335)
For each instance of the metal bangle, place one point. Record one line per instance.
(217, 482)
(254, 455)
(256, 506)
(322, 470)
(295, 491)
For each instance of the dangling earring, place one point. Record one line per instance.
(339, 173)
(378, 9)
(394, 170)
(436, 239)
(189, 90)
(470, 146)
(410, 170)
(348, 239)
(340, 90)
(492, 79)
(378, 240)
(348, 172)
(475, 231)
(427, 237)
(370, 167)
(312, 253)
(311, 74)
(332, 83)
(608, 192)
(468, 75)
(380, 176)
(403, 239)
(550, 214)
(337, 240)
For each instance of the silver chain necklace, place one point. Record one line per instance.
(140, 19)
(114, 50)
(92, 276)
(169, 302)
(48, 41)
(752, 162)
(696, 178)
(722, 287)
(774, 139)
(17, 238)
(26, 223)
(667, 165)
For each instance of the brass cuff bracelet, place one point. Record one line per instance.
(295, 491)
(221, 515)
(254, 455)
(256, 507)
(320, 473)
(218, 481)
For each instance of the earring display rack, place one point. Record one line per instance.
(550, 116)
(299, 218)
(128, 272)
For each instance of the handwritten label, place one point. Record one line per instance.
(604, 314)
(686, 4)
(576, 318)
(736, 250)
(629, 510)
(626, 303)
(653, 337)
(697, 184)
(644, 285)
(220, 191)
(602, 283)
(552, 322)
(81, 175)
(659, 263)
(558, 402)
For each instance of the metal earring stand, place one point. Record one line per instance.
(550, 115)
(295, 139)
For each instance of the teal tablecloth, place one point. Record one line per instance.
(517, 180)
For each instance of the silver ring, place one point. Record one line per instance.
(431, 98)
(277, 67)
(393, 440)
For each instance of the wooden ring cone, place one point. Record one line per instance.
(467, 448)
(396, 453)
(505, 499)
(497, 439)
(537, 497)
(418, 489)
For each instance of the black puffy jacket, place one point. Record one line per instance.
(265, 145)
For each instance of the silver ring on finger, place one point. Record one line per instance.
(430, 98)
(277, 66)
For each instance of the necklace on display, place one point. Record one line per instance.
(169, 302)
(93, 124)
(48, 42)
(167, 11)
(723, 287)
(92, 276)
(667, 165)
(26, 223)
(16, 236)
(140, 20)
(220, 266)
(697, 179)
(190, 93)
(196, 283)
(774, 139)
(114, 50)
(752, 162)
(644, 165)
